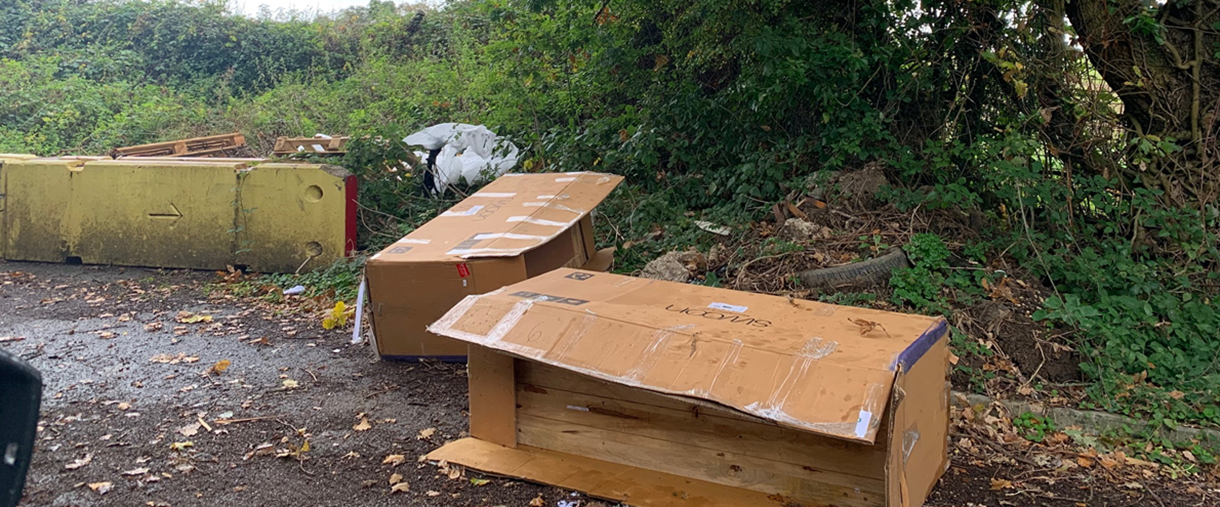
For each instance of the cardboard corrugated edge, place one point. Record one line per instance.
(875, 404)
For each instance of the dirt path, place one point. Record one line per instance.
(128, 387)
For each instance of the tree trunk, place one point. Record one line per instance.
(1159, 63)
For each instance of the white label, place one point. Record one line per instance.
(318, 148)
(469, 212)
(862, 423)
(581, 409)
(496, 194)
(509, 235)
(729, 308)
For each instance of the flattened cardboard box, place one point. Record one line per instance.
(663, 394)
(516, 227)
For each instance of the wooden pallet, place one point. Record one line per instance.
(313, 145)
(210, 146)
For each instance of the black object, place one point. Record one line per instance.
(20, 398)
(862, 274)
(429, 173)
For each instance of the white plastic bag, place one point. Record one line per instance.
(467, 152)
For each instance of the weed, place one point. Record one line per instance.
(1033, 427)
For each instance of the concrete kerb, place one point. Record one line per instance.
(1095, 423)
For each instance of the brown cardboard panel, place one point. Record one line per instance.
(560, 252)
(405, 298)
(517, 226)
(802, 364)
(601, 261)
(922, 434)
(493, 402)
(512, 215)
(601, 479)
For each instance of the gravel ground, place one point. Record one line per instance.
(134, 412)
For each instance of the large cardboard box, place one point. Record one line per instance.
(516, 227)
(663, 394)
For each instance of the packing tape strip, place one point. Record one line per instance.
(509, 235)
(579, 330)
(652, 353)
(494, 194)
(445, 323)
(470, 212)
(865, 421)
(730, 358)
(413, 241)
(813, 350)
(508, 322)
(552, 205)
(539, 221)
(909, 439)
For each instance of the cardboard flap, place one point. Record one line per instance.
(512, 215)
(811, 366)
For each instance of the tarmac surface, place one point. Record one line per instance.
(135, 409)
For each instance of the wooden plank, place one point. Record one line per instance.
(547, 376)
(290, 145)
(183, 147)
(720, 467)
(600, 479)
(493, 403)
(844, 460)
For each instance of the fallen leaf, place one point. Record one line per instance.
(136, 471)
(426, 433)
(454, 472)
(363, 425)
(1177, 395)
(123, 406)
(80, 462)
(106, 335)
(101, 487)
(433, 493)
(1084, 462)
(153, 326)
(400, 487)
(867, 326)
(191, 318)
(998, 484)
(394, 460)
(189, 430)
(395, 479)
(178, 446)
(479, 482)
(537, 501)
(168, 359)
(291, 384)
(220, 366)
